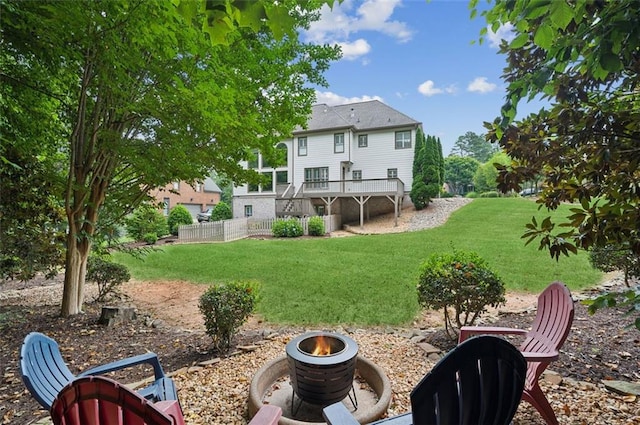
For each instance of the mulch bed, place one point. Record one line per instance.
(600, 346)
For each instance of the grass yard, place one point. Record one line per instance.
(368, 280)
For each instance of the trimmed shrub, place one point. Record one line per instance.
(145, 220)
(225, 308)
(222, 211)
(615, 257)
(109, 276)
(150, 238)
(178, 216)
(316, 226)
(462, 285)
(471, 195)
(490, 194)
(290, 228)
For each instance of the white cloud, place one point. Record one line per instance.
(505, 32)
(354, 50)
(334, 99)
(428, 88)
(481, 85)
(340, 24)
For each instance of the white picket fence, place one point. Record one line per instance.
(239, 228)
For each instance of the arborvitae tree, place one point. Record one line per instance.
(441, 158)
(427, 177)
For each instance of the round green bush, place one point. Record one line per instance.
(150, 238)
(222, 211)
(462, 285)
(107, 275)
(178, 216)
(290, 228)
(316, 226)
(144, 220)
(490, 194)
(225, 308)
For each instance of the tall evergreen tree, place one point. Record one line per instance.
(427, 177)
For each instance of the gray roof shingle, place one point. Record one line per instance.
(360, 116)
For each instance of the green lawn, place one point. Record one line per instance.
(368, 280)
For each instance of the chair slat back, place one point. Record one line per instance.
(94, 400)
(553, 320)
(479, 381)
(44, 371)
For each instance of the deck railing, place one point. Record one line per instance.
(353, 187)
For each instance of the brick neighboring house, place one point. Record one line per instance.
(195, 198)
(353, 160)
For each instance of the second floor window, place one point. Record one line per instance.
(403, 139)
(392, 173)
(363, 140)
(357, 174)
(248, 210)
(338, 143)
(253, 161)
(302, 146)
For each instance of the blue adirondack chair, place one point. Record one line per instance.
(45, 373)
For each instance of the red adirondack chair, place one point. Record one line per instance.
(96, 400)
(541, 344)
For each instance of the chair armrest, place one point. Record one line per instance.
(148, 358)
(171, 409)
(267, 415)
(531, 356)
(338, 414)
(469, 331)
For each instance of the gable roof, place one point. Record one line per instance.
(359, 116)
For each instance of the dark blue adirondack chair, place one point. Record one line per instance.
(478, 382)
(45, 373)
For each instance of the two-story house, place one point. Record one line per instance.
(195, 198)
(354, 160)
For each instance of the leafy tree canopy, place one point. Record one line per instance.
(143, 98)
(474, 146)
(459, 172)
(582, 57)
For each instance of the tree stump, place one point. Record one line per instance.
(114, 315)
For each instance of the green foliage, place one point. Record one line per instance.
(150, 238)
(146, 220)
(462, 285)
(225, 308)
(178, 216)
(581, 58)
(116, 114)
(629, 299)
(491, 194)
(459, 172)
(616, 257)
(427, 165)
(485, 178)
(31, 219)
(471, 195)
(109, 276)
(474, 146)
(289, 228)
(316, 226)
(222, 211)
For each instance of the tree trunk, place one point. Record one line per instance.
(75, 272)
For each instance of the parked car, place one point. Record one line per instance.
(529, 191)
(204, 215)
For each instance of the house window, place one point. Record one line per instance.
(338, 143)
(176, 185)
(403, 139)
(282, 177)
(356, 174)
(363, 140)
(166, 206)
(392, 173)
(253, 187)
(281, 152)
(316, 178)
(267, 186)
(302, 146)
(198, 187)
(248, 210)
(253, 160)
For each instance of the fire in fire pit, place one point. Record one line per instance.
(321, 367)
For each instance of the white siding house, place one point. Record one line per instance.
(350, 158)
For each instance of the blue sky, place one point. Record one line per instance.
(416, 56)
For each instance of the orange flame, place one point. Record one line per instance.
(322, 347)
